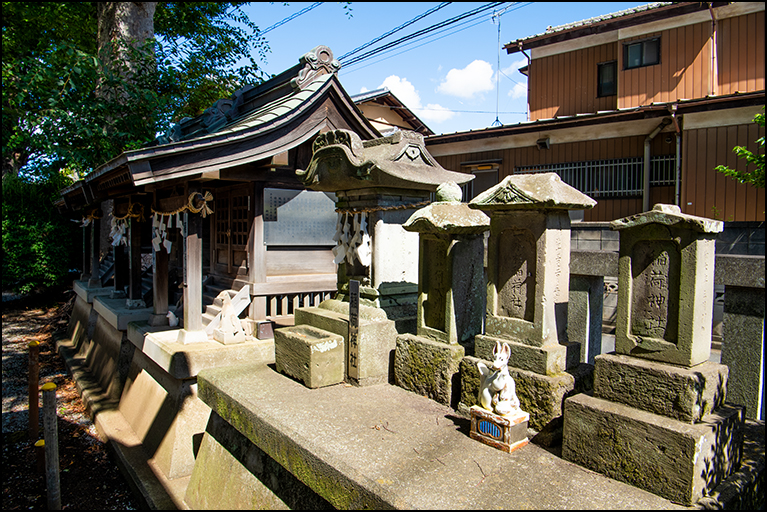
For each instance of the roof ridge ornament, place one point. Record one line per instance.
(319, 61)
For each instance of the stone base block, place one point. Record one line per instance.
(546, 360)
(428, 367)
(228, 338)
(157, 320)
(505, 433)
(311, 355)
(685, 394)
(377, 337)
(541, 395)
(82, 323)
(165, 414)
(670, 458)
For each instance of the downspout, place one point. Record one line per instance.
(529, 61)
(646, 176)
(678, 162)
(714, 78)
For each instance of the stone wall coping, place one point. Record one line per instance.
(186, 361)
(371, 447)
(88, 294)
(115, 312)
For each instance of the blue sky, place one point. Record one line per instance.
(449, 78)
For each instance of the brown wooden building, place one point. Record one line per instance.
(670, 87)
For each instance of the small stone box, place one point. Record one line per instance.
(505, 433)
(311, 355)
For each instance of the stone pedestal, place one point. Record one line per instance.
(450, 296)
(657, 419)
(528, 272)
(311, 355)
(505, 433)
(376, 337)
(674, 459)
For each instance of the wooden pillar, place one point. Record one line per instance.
(193, 277)
(257, 253)
(159, 287)
(121, 270)
(95, 280)
(86, 274)
(135, 300)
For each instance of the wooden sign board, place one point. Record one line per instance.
(354, 326)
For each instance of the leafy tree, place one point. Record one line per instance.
(756, 176)
(78, 89)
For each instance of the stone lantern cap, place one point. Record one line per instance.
(669, 214)
(342, 161)
(532, 192)
(448, 218)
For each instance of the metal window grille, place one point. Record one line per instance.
(620, 177)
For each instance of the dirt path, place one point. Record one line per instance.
(89, 477)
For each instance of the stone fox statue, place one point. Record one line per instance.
(497, 390)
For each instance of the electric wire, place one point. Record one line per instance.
(292, 16)
(346, 69)
(427, 30)
(404, 25)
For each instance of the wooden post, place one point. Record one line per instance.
(134, 263)
(95, 280)
(34, 390)
(121, 269)
(193, 270)
(86, 273)
(257, 253)
(50, 424)
(40, 456)
(160, 287)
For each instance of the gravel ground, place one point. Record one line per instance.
(89, 476)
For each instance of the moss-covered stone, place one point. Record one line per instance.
(427, 367)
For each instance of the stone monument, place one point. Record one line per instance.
(528, 263)
(378, 184)
(657, 418)
(450, 295)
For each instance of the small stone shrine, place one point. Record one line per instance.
(378, 184)
(657, 418)
(450, 295)
(528, 262)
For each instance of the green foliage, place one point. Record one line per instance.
(39, 246)
(756, 176)
(69, 107)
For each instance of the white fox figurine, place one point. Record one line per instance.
(497, 390)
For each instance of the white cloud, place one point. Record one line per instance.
(518, 91)
(435, 113)
(403, 90)
(408, 95)
(514, 67)
(364, 89)
(474, 79)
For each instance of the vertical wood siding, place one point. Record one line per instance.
(566, 84)
(708, 193)
(684, 70)
(740, 59)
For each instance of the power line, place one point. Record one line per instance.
(427, 30)
(346, 69)
(406, 24)
(292, 16)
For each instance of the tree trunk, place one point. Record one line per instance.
(122, 26)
